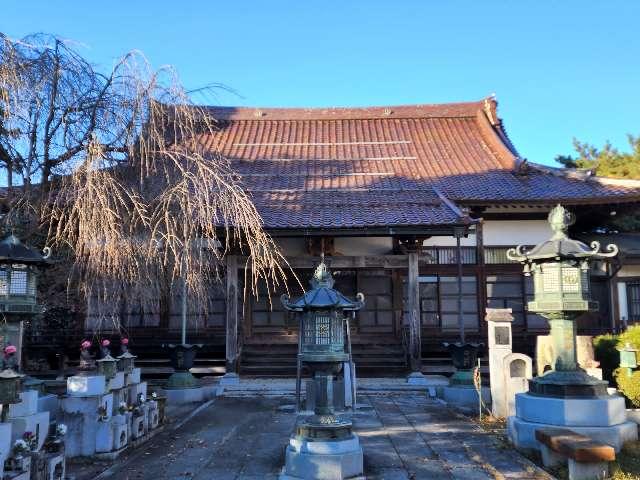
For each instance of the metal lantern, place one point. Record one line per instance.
(18, 271)
(125, 362)
(560, 269)
(322, 312)
(107, 366)
(9, 390)
(628, 357)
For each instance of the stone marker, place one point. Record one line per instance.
(499, 332)
(516, 370)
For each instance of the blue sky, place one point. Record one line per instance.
(560, 69)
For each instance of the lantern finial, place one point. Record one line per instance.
(560, 219)
(322, 276)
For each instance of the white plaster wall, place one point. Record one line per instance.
(629, 271)
(503, 232)
(516, 232)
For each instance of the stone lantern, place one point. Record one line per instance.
(125, 362)
(565, 397)
(19, 266)
(9, 389)
(560, 269)
(107, 366)
(323, 443)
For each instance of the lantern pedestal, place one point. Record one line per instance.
(182, 357)
(323, 460)
(604, 419)
(464, 357)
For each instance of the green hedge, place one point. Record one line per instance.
(607, 353)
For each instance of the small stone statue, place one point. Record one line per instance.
(105, 351)
(10, 359)
(124, 346)
(87, 362)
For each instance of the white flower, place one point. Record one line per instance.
(20, 446)
(154, 395)
(61, 429)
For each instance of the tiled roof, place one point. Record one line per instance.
(384, 166)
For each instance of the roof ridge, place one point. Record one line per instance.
(419, 110)
(586, 176)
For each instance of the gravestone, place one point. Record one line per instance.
(499, 333)
(517, 370)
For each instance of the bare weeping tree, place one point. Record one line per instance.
(118, 168)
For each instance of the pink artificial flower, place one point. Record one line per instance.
(124, 341)
(85, 344)
(106, 342)
(9, 349)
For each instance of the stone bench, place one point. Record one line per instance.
(587, 459)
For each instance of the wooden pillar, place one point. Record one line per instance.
(481, 273)
(413, 300)
(459, 262)
(232, 354)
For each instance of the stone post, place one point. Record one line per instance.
(499, 332)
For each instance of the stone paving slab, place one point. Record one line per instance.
(405, 437)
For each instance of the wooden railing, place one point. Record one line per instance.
(449, 255)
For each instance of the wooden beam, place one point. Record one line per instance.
(413, 307)
(232, 351)
(350, 262)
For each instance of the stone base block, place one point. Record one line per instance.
(185, 395)
(88, 405)
(229, 379)
(138, 427)
(588, 471)
(116, 382)
(86, 386)
(571, 412)
(120, 432)
(522, 433)
(417, 378)
(49, 403)
(133, 377)
(323, 460)
(465, 397)
(28, 404)
(153, 416)
(56, 467)
(135, 390)
(37, 423)
(633, 415)
(112, 435)
(5, 444)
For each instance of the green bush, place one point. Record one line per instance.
(630, 336)
(604, 348)
(629, 385)
(607, 353)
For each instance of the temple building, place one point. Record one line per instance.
(415, 207)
